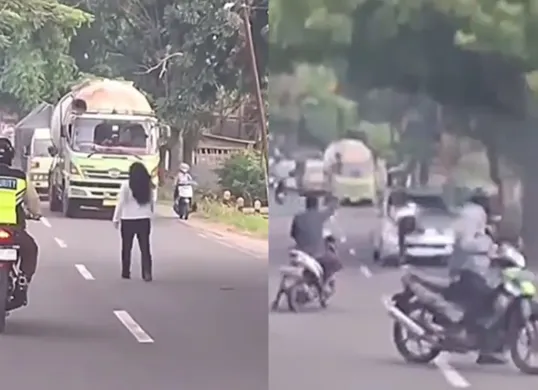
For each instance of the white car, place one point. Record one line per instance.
(432, 240)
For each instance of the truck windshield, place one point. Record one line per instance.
(357, 170)
(40, 147)
(111, 136)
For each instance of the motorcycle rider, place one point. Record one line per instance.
(482, 216)
(473, 281)
(183, 178)
(307, 231)
(16, 193)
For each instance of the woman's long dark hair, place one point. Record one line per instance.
(140, 183)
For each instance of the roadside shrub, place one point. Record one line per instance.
(242, 175)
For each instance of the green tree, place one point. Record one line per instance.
(473, 57)
(308, 99)
(243, 176)
(35, 65)
(184, 54)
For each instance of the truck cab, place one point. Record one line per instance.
(99, 130)
(39, 160)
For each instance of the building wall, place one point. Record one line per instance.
(209, 155)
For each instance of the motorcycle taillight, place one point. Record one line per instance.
(6, 236)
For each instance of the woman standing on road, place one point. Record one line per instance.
(133, 215)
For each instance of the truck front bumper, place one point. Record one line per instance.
(93, 195)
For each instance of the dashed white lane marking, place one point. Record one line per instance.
(343, 239)
(86, 274)
(132, 326)
(352, 252)
(61, 243)
(453, 377)
(45, 222)
(366, 271)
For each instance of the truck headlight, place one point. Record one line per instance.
(74, 170)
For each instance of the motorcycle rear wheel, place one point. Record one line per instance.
(4, 291)
(293, 294)
(531, 327)
(401, 341)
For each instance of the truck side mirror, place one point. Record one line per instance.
(165, 131)
(52, 150)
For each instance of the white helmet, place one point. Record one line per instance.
(184, 167)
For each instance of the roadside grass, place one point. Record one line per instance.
(254, 224)
(243, 222)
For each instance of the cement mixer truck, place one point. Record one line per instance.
(98, 130)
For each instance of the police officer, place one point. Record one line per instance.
(16, 193)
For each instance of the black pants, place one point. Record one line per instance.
(330, 264)
(141, 228)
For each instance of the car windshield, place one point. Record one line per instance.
(429, 202)
(40, 147)
(111, 136)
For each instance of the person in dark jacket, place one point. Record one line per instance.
(307, 231)
(474, 280)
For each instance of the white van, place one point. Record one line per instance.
(40, 160)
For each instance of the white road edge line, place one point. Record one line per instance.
(61, 243)
(45, 222)
(132, 326)
(453, 377)
(86, 274)
(366, 271)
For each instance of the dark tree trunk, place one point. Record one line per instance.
(529, 207)
(492, 153)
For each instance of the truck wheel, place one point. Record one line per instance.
(54, 203)
(69, 207)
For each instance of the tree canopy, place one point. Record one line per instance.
(477, 59)
(471, 56)
(34, 40)
(182, 53)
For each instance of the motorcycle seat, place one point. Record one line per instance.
(431, 282)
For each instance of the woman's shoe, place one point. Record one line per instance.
(147, 277)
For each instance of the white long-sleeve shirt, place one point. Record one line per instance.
(128, 207)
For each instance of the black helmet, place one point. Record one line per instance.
(7, 152)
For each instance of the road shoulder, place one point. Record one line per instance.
(222, 233)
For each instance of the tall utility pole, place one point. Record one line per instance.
(262, 119)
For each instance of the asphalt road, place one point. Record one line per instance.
(349, 346)
(201, 324)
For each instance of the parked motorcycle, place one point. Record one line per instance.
(516, 320)
(183, 200)
(301, 279)
(11, 277)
